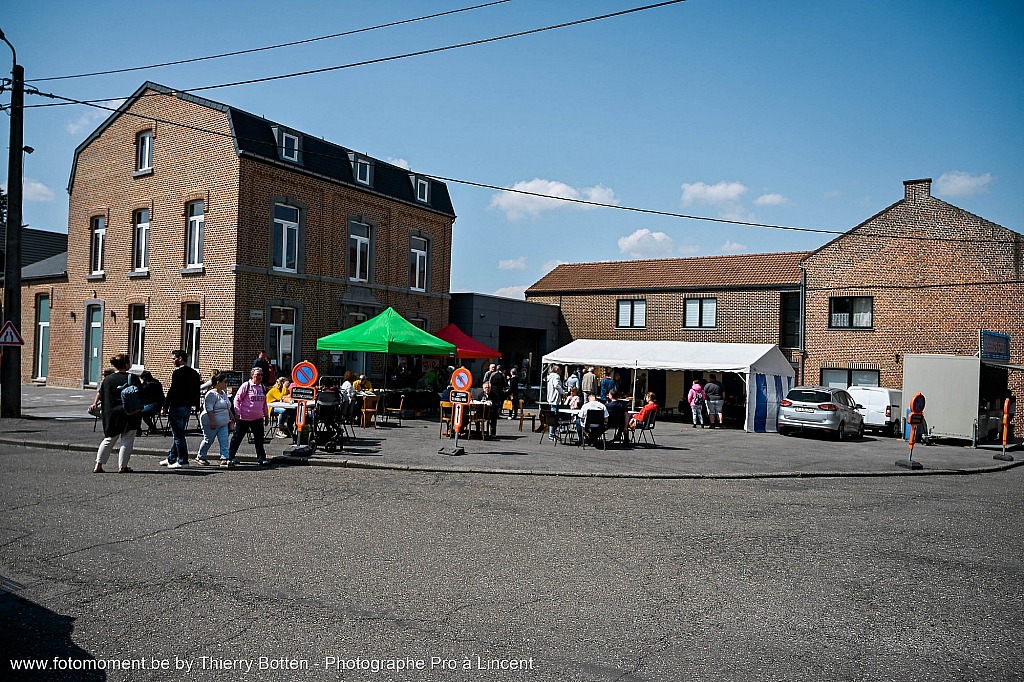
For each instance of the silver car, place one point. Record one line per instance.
(823, 408)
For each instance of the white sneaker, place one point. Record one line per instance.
(175, 465)
(164, 462)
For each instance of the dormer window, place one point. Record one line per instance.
(362, 169)
(289, 147)
(423, 190)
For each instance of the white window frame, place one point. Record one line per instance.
(361, 171)
(97, 245)
(418, 259)
(144, 151)
(637, 314)
(140, 242)
(705, 313)
(285, 240)
(190, 328)
(289, 147)
(137, 334)
(423, 190)
(194, 234)
(359, 254)
(283, 335)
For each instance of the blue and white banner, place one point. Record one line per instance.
(764, 394)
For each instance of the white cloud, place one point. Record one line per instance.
(646, 244)
(551, 265)
(960, 184)
(517, 206)
(512, 263)
(688, 249)
(771, 199)
(401, 163)
(33, 190)
(732, 247)
(512, 292)
(91, 116)
(720, 194)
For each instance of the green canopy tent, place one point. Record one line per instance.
(388, 332)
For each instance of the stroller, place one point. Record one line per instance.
(327, 429)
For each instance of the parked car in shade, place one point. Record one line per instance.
(882, 409)
(820, 408)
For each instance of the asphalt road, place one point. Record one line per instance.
(341, 571)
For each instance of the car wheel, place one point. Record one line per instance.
(783, 431)
(897, 432)
(860, 430)
(841, 431)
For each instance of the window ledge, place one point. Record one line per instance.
(851, 329)
(95, 277)
(138, 274)
(192, 270)
(142, 173)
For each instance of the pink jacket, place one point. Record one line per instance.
(251, 402)
(695, 391)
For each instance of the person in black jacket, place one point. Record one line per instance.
(116, 422)
(182, 398)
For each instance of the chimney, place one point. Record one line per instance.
(916, 190)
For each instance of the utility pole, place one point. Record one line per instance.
(10, 362)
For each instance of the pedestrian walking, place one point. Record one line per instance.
(716, 400)
(251, 409)
(182, 398)
(555, 395)
(117, 423)
(588, 384)
(216, 418)
(696, 397)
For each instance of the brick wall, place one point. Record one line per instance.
(914, 311)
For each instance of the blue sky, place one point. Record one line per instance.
(807, 113)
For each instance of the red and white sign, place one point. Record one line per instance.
(10, 336)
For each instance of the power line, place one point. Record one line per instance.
(596, 204)
(418, 53)
(270, 47)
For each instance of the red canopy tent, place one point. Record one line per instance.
(466, 346)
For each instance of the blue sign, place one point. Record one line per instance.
(994, 346)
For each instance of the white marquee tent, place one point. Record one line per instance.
(762, 366)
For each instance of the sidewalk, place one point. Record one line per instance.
(56, 418)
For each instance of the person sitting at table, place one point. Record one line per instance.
(616, 414)
(573, 400)
(594, 433)
(362, 384)
(645, 412)
(281, 392)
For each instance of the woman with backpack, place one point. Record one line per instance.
(118, 422)
(697, 398)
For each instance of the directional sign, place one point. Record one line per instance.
(462, 380)
(304, 374)
(304, 393)
(9, 335)
(460, 397)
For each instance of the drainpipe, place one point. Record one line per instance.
(803, 320)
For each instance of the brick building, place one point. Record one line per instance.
(725, 299)
(197, 225)
(921, 276)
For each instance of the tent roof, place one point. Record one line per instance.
(763, 358)
(465, 345)
(388, 332)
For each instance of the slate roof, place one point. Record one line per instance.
(254, 137)
(36, 245)
(746, 271)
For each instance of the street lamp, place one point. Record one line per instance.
(10, 361)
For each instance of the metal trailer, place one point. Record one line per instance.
(962, 393)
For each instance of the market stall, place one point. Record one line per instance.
(764, 369)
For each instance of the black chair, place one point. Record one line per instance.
(327, 429)
(647, 427)
(594, 428)
(548, 420)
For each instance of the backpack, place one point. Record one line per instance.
(131, 398)
(698, 398)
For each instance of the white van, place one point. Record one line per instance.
(882, 408)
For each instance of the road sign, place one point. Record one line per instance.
(462, 380)
(300, 415)
(10, 336)
(460, 397)
(304, 374)
(917, 403)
